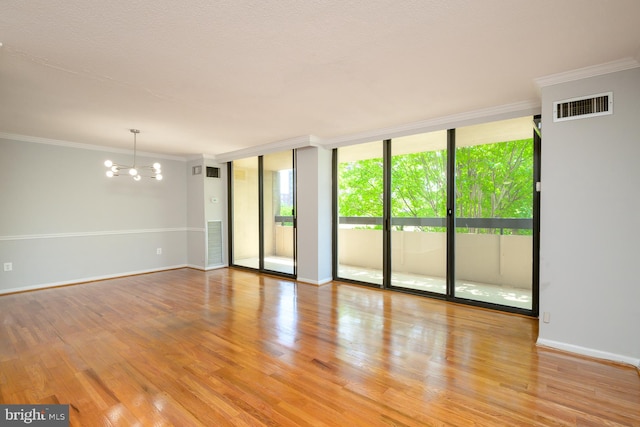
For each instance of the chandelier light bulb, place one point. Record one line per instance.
(137, 172)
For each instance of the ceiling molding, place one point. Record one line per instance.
(272, 147)
(60, 143)
(586, 72)
(502, 112)
(195, 157)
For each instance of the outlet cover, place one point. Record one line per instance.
(8, 266)
(159, 251)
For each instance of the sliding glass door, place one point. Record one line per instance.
(450, 214)
(494, 187)
(262, 193)
(246, 213)
(360, 192)
(418, 212)
(278, 219)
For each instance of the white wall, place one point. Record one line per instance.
(196, 235)
(589, 273)
(314, 215)
(207, 201)
(63, 221)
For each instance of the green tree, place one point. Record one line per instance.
(495, 180)
(492, 181)
(360, 188)
(419, 186)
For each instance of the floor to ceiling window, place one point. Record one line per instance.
(360, 191)
(419, 212)
(447, 213)
(246, 213)
(278, 200)
(262, 213)
(494, 190)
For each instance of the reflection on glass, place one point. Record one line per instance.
(360, 192)
(245, 213)
(418, 212)
(494, 211)
(278, 199)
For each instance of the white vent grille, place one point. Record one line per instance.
(581, 108)
(214, 243)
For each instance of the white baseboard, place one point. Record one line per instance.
(87, 279)
(314, 282)
(598, 354)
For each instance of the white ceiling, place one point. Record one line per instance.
(215, 76)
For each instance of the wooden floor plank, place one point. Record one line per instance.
(232, 347)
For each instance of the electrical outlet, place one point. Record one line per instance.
(8, 266)
(546, 317)
(159, 251)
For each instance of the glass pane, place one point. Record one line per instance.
(360, 192)
(494, 213)
(246, 243)
(418, 212)
(278, 212)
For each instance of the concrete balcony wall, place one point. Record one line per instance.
(283, 237)
(416, 252)
(495, 259)
(485, 258)
(360, 248)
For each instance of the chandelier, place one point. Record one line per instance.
(135, 171)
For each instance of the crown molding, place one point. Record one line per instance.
(501, 112)
(586, 72)
(82, 146)
(272, 147)
(195, 157)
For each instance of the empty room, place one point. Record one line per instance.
(292, 212)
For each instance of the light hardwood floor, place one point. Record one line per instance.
(231, 347)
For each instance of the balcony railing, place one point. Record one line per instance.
(493, 223)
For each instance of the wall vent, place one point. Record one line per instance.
(583, 107)
(214, 243)
(213, 172)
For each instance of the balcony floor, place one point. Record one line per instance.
(486, 292)
(271, 263)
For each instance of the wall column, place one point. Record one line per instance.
(314, 215)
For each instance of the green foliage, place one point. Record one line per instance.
(492, 181)
(286, 210)
(360, 188)
(495, 180)
(419, 184)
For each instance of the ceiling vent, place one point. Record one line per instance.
(583, 107)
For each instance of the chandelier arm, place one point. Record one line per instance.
(147, 171)
(134, 146)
